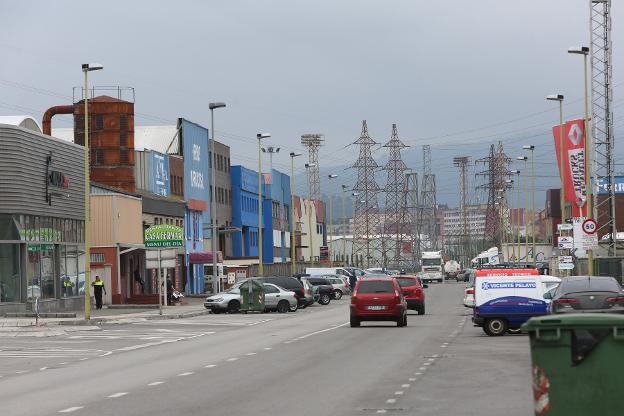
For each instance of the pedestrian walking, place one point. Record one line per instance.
(68, 287)
(98, 288)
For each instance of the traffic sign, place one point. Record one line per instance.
(566, 266)
(590, 226)
(566, 242)
(565, 259)
(564, 227)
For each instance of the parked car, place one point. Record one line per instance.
(376, 270)
(467, 275)
(279, 299)
(340, 284)
(324, 288)
(587, 294)
(413, 291)
(322, 271)
(304, 298)
(378, 299)
(227, 301)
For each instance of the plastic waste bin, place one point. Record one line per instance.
(578, 365)
(252, 296)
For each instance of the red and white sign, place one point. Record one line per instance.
(574, 167)
(590, 226)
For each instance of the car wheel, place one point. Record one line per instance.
(324, 299)
(337, 294)
(439, 280)
(293, 308)
(233, 306)
(216, 311)
(283, 306)
(355, 322)
(495, 327)
(421, 310)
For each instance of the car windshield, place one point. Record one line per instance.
(367, 286)
(431, 262)
(406, 281)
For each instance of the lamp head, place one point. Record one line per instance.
(212, 106)
(528, 147)
(555, 97)
(261, 136)
(295, 154)
(517, 172)
(579, 50)
(310, 165)
(510, 181)
(355, 194)
(525, 158)
(332, 176)
(92, 67)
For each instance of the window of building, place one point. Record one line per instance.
(99, 122)
(209, 159)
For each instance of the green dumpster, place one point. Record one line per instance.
(252, 296)
(578, 364)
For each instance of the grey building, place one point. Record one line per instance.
(41, 220)
(223, 196)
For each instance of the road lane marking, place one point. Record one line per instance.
(232, 359)
(251, 353)
(411, 379)
(418, 374)
(188, 373)
(114, 396)
(431, 359)
(71, 409)
(155, 383)
(43, 368)
(210, 366)
(381, 411)
(84, 359)
(422, 368)
(21, 371)
(390, 401)
(426, 363)
(321, 331)
(405, 386)
(268, 348)
(398, 393)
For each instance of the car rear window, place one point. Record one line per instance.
(367, 286)
(599, 284)
(406, 281)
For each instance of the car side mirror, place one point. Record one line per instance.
(547, 295)
(425, 286)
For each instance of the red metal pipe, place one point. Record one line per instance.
(46, 123)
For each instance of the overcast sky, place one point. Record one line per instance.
(457, 74)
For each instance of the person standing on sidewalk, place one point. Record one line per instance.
(98, 288)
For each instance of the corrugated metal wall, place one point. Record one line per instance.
(23, 156)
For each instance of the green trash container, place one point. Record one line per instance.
(578, 364)
(252, 296)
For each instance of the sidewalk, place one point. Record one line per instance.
(191, 307)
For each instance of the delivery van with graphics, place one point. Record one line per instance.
(506, 298)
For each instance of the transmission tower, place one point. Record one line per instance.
(395, 207)
(428, 231)
(497, 171)
(313, 142)
(366, 220)
(462, 162)
(602, 118)
(412, 216)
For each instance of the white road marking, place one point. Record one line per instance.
(210, 366)
(21, 371)
(84, 359)
(268, 348)
(422, 368)
(411, 379)
(156, 383)
(391, 401)
(43, 368)
(251, 353)
(381, 411)
(417, 374)
(431, 359)
(71, 409)
(398, 393)
(232, 359)
(188, 373)
(405, 386)
(426, 363)
(114, 396)
(443, 346)
(321, 331)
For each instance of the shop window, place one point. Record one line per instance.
(10, 273)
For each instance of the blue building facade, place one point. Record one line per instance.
(278, 187)
(194, 146)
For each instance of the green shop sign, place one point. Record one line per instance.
(164, 235)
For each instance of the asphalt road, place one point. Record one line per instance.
(306, 363)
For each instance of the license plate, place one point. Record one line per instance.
(376, 308)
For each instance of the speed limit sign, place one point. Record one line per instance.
(590, 226)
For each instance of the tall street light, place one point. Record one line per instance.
(559, 98)
(331, 219)
(532, 149)
(86, 68)
(271, 150)
(525, 191)
(309, 166)
(517, 180)
(509, 184)
(584, 50)
(293, 252)
(213, 204)
(260, 136)
(344, 223)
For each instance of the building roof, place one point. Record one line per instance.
(157, 138)
(27, 122)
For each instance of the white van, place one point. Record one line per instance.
(319, 271)
(504, 303)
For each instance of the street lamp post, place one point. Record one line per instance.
(532, 149)
(584, 50)
(213, 205)
(526, 204)
(293, 252)
(260, 136)
(509, 185)
(559, 98)
(86, 68)
(517, 173)
(309, 166)
(331, 219)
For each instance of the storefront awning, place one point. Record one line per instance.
(204, 257)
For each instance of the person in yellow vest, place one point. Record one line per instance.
(68, 287)
(98, 288)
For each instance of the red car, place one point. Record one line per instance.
(413, 291)
(378, 299)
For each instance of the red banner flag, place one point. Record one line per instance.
(574, 168)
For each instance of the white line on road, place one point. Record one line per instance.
(210, 366)
(268, 348)
(426, 363)
(390, 401)
(422, 368)
(188, 373)
(71, 409)
(381, 411)
(114, 396)
(232, 359)
(321, 331)
(418, 374)
(405, 386)
(155, 383)
(411, 379)
(398, 393)
(43, 368)
(84, 359)
(251, 353)
(431, 359)
(21, 371)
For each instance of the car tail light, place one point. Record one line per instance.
(566, 300)
(470, 291)
(618, 299)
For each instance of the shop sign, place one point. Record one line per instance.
(164, 235)
(40, 247)
(41, 234)
(324, 253)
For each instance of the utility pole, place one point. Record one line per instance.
(313, 142)
(428, 201)
(413, 210)
(462, 162)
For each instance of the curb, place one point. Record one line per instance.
(122, 320)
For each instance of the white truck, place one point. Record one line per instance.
(431, 262)
(488, 257)
(451, 269)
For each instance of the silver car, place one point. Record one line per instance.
(339, 283)
(279, 299)
(227, 301)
